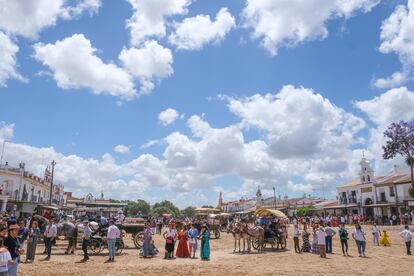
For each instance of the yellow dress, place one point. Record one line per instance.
(385, 239)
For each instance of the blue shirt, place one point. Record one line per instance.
(343, 234)
(104, 221)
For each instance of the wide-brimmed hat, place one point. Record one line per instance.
(13, 226)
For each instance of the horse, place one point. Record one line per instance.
(70, 231)
(237, 231)
(256, 233)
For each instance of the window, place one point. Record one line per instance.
(363, 179)
(369, 179)
(382, 195)
(392, 191)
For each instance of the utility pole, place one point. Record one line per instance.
(51, 182)
(2, 152)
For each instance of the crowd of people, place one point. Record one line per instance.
(186, 236)
(323, 234)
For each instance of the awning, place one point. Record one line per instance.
(269, 212)
(341, 206)
(377, 205)
(48, 207)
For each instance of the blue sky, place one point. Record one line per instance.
(341, 66)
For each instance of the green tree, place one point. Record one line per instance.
(188, 212)
(305, 211)
(168, 206)
(159, 210)
(139, 206)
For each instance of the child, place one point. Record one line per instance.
(385, 239)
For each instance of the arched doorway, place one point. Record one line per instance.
(369, 211)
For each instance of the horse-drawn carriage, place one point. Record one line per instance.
(135, 228)
(275, 236)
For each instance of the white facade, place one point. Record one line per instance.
(375, 196)
(23, 191)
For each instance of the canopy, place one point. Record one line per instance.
(224, 215)
(166, 215)
(269, 212)
(207, 210)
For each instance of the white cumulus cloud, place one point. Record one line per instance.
(168, 116)
(149, 63)
(280, 23)
(6, 131)
(149, 17)
(74, 64)
(8, 63)
(122, 149)
(397, 36)
(194, 32)
(28, 18)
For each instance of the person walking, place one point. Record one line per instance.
(296, 235)
(23, 233)
(205, 243)
(192, 240)
(343, 236)
(50, 237)
(376, 233)
(87, 233)
(321, 238)
(330, 233)
(385, 239)
(145, 251)
(112, 235)
(33, 237)
(306, 247)
(12, 244)
(359, 236)
(407, 236)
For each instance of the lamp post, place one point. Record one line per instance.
(51, 182)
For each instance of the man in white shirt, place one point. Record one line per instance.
(406, 235)
(50, 237)
(321, 236)
(376, 233)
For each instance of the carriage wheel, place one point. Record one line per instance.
(283, 243)
(119, 246)
(256, 244)
(217, 234)
(95, 246)
(138, 239)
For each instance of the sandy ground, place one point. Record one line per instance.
(380, 261)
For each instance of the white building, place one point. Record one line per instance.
(375, 196)
(22, 191)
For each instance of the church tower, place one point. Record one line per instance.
(366, 173)
(220, 202)
(258, 198)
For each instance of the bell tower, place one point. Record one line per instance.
(366, 173)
